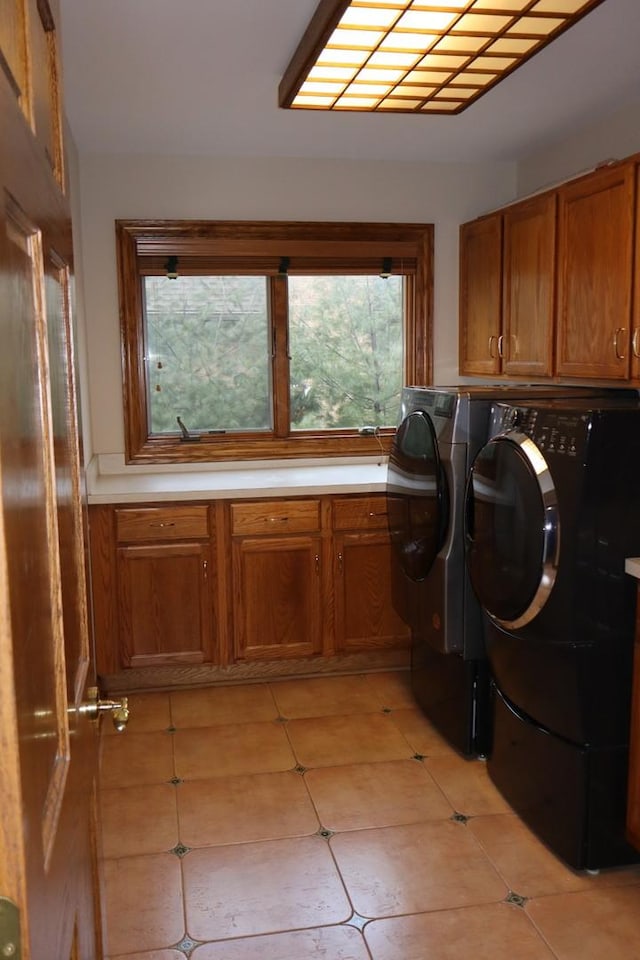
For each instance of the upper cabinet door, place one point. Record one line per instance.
(529, 287)
(595, 246)
(635, 330)
(480, 296)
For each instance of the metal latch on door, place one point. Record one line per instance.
(94, 707)
(9, 930)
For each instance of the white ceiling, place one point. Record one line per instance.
(201, 77)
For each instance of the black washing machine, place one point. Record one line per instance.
(440, 431)
(552, 511)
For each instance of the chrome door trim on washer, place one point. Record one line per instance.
(550, 551)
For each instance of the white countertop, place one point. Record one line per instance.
(112, 482)
(632, 566)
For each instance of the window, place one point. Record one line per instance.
(252, 340)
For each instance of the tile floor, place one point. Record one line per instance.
(325, 818)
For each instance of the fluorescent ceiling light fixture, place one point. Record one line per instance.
(412, 56)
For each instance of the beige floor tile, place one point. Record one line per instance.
(421, 733)
(147, 711)
(529, 867)
(357, 796)
(137, 820)
(325, 696)
(393, 689)
(226, 751)
(153, 955)
(256, 888)
(602, 924)
(259, 806)
(495, 931)
(324, 943)
(364, 738)
(134, 759)
(244, 703)
(467, 785)
(415, 868)
(143, 898)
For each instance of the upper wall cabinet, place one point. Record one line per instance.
(507, 270)
(529, 287)
(595, 243)
(546, 284)
(481, 296)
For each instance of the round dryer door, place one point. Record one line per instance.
(417, 500)
(512, 530)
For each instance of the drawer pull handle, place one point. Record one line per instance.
(278, 519)
(381, 513)
(163, 523)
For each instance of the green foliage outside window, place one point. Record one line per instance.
(208, 349)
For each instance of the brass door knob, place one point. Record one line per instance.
(94, 707)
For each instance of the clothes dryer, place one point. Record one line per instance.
(440, 431)
(552, 511)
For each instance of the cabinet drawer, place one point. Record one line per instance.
(360, 513)
(161, 523)
(276, 516)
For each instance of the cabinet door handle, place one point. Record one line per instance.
(634, 342)
(205, 568)
(616, 337)
(317, 559)
(500, 346)
(492, 355)
(340, 563)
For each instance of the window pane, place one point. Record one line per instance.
(207, 353)
(346, 344)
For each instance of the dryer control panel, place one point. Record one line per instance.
(553, 432)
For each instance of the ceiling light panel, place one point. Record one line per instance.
(413, 56)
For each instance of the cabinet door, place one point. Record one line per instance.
(164, 604)
(277, 597)
(595, 259)
(364, 615)
(480, 296)
(529, 287)
(635, 330)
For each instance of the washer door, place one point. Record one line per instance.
(512, 529)
(417, 498)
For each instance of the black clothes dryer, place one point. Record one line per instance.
(552, 511)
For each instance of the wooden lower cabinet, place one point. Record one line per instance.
(277, 597)
(226, 583)
(153, 585)
(364, 615)
(164, 603)
(633, 804)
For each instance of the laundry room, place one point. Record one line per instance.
(334, 421)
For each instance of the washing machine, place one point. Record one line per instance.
(440, 431)
(552, 511)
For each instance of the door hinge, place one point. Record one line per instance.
(9, 930)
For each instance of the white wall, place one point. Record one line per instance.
(138, 187)
(614, 138)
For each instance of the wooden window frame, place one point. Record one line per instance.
(143, 247)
